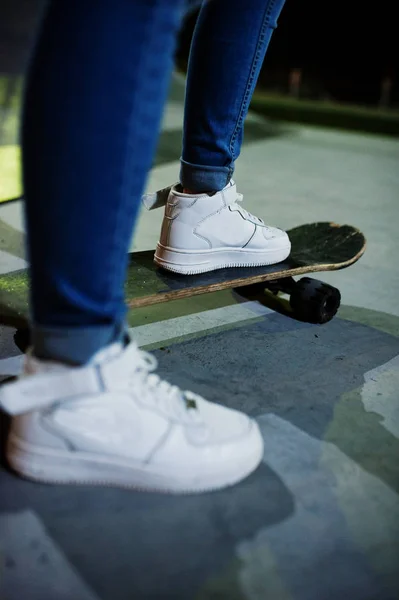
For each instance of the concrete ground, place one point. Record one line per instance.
(320, 519)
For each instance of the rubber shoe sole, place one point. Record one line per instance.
(190, 262)
(55, 466)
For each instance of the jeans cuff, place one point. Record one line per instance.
(203, 178)
(74, 345)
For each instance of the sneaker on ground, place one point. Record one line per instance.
(115, 422)
(207, 232)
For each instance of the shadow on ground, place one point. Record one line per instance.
(293, 373)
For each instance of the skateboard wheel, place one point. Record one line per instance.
(314, 301)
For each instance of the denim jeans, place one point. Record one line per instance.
(94, 97)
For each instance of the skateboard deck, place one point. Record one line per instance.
(315, 247)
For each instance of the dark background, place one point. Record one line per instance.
(343, 48)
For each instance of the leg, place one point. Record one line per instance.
(204, 230)
(229, 45)
(88, 408)
(90, 125)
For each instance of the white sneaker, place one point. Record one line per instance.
(203, 233)
(114, 422)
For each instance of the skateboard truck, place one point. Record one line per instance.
(311, 300)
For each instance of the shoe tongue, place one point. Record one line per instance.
(230, 193)
(156, 199)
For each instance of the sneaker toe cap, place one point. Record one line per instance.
(232, 431)
(273, 233)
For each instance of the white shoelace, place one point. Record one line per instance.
(245, 213)
(158, 391)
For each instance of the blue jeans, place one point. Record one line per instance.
(94, 98)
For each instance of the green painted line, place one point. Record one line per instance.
(14, 294)
(179, 308)
(372, 318)
(10, 181)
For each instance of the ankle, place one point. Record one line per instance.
(194, 193)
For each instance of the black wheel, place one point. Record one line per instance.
(314, 301)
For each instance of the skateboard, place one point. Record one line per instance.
(315, 247)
